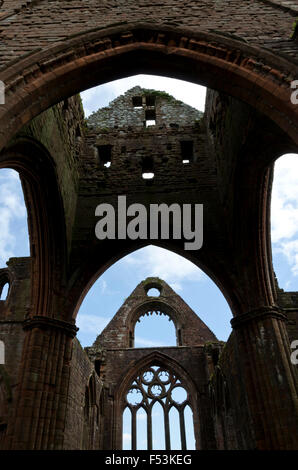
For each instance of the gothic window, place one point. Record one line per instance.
(157, 412)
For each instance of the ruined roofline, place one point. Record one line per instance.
(139, 91)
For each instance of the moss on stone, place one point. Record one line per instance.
(294, 29)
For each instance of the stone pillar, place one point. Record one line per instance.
(39, 412)
(269, 377)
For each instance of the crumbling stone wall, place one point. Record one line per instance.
(130, 109)
(60, 131)
(119, 333)
(84, 419)
(134, 147)
(13, 310)
(227, 392)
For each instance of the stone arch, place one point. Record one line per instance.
(88, 273)
(159, 359)
(48, 76)
(44, 206)
(153, 306)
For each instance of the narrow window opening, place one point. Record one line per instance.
(186, 151)
(105, 155)
(126, 426)
(150, 100)
(4, 291)
(150, 117)
(148, 176)
(179, 338)
(137, 102)
(150, 122)
(147, 168)
(131, 340)
(97, 366)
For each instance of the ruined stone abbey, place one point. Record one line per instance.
(55, 394)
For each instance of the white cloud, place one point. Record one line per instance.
(147, 343)
(284, 210)
(103, 286)
(89, 323)
(284, 203)
(158, 262)
(290, 250)
(12, 208)
(101, 96)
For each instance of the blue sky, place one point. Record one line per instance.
(116, 284)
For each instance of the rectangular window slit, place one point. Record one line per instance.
(186, 151)
(105, 155)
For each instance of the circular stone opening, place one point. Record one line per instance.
(179, 395)
(153, 292)
(134, 396)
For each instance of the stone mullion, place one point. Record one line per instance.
(133, 429)
(182, 428)
(149, 428)
(167, 428)
(268, 377)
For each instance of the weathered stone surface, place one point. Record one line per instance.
(50, 386)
